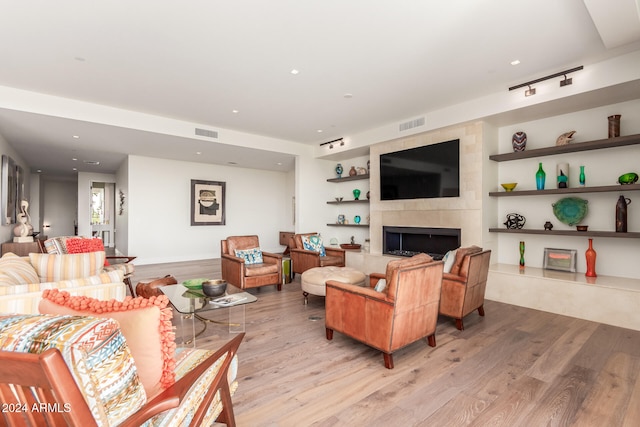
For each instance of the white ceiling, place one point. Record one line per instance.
(197, 61)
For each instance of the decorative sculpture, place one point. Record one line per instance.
(24, 230)
(515, 221)
(565, 138)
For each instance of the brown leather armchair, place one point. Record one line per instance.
(303, 259)
(464, 287)
(404, 312)
(237, 272)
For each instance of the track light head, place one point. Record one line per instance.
(530, 91)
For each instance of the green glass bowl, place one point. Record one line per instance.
(194, 283)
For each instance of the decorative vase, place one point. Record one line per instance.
(521, 254)
(621, 214)
(357, 219)
(519, 141)
(590, 255)
(356, 194)
(339, 170)
(353, 171)
(582, 179)
(540, 177)
(562, 172)
(614, 126)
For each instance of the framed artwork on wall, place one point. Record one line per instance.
(560, 259)
(9, 190)
(207, 202)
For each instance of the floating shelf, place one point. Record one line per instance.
(574, 233)
(348, 225)
(355, 201)
(349, 178)
(598, 189)
(574, 147)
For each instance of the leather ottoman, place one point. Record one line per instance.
(314, 279)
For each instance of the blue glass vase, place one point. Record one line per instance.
(339, 170)
(540, 177)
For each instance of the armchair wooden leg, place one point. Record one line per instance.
(127, 281)
(459, 325)
(481, 310)
(226, 416)
(431, 339)
(329, 334)
(388, 360)
(280, 286)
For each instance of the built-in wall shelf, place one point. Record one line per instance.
(349, 178)
(575, 147)
(574, 233)
(574, 190)
(348, 225)
(335, 202)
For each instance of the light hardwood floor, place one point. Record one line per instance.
(514, 367)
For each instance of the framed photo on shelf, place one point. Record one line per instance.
(207, 202)
(560, 259)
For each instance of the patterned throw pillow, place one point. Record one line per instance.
(96, 353)
(381, 285)
(313, 243)
(251, 256)
(144, 322)
(448, 259)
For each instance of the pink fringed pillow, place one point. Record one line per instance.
(145, 324)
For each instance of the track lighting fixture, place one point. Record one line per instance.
(331, 143)
(532, 91)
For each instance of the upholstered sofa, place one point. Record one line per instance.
(22, 279)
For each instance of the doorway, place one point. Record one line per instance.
(103, 212)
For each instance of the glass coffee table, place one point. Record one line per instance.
(194, 305)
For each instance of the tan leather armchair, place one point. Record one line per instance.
(303, 259)
(406, 311)
(464, 287)
(243, 275)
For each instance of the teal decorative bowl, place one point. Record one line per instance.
(570, 210)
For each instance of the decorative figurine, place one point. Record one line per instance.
(548, 225)
(565, 138)
(562, 172)
(628, 178)
(515, 221)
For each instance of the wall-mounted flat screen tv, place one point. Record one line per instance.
(421, 173)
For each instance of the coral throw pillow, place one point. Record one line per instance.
(145, 324)
(82, 246)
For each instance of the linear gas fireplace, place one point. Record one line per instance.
(409, 241)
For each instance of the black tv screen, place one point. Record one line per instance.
(421, 173)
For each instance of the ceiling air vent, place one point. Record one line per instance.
(411, 124)
(207, 133)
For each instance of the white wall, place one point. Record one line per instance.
(616, 256)
(60, 201)
(122, 217)
(6, 231)
(159, 201)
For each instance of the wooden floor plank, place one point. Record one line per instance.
(512, 367)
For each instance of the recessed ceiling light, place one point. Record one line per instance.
(75, 169)
(91, 162)
(39, 170)
(279, 163)
(348, 95)
(515, 62)
(74, 159)
(319, 131)
(294, 71)
(235, 111)
(79, 58)
(76, 136)
(198, 152)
